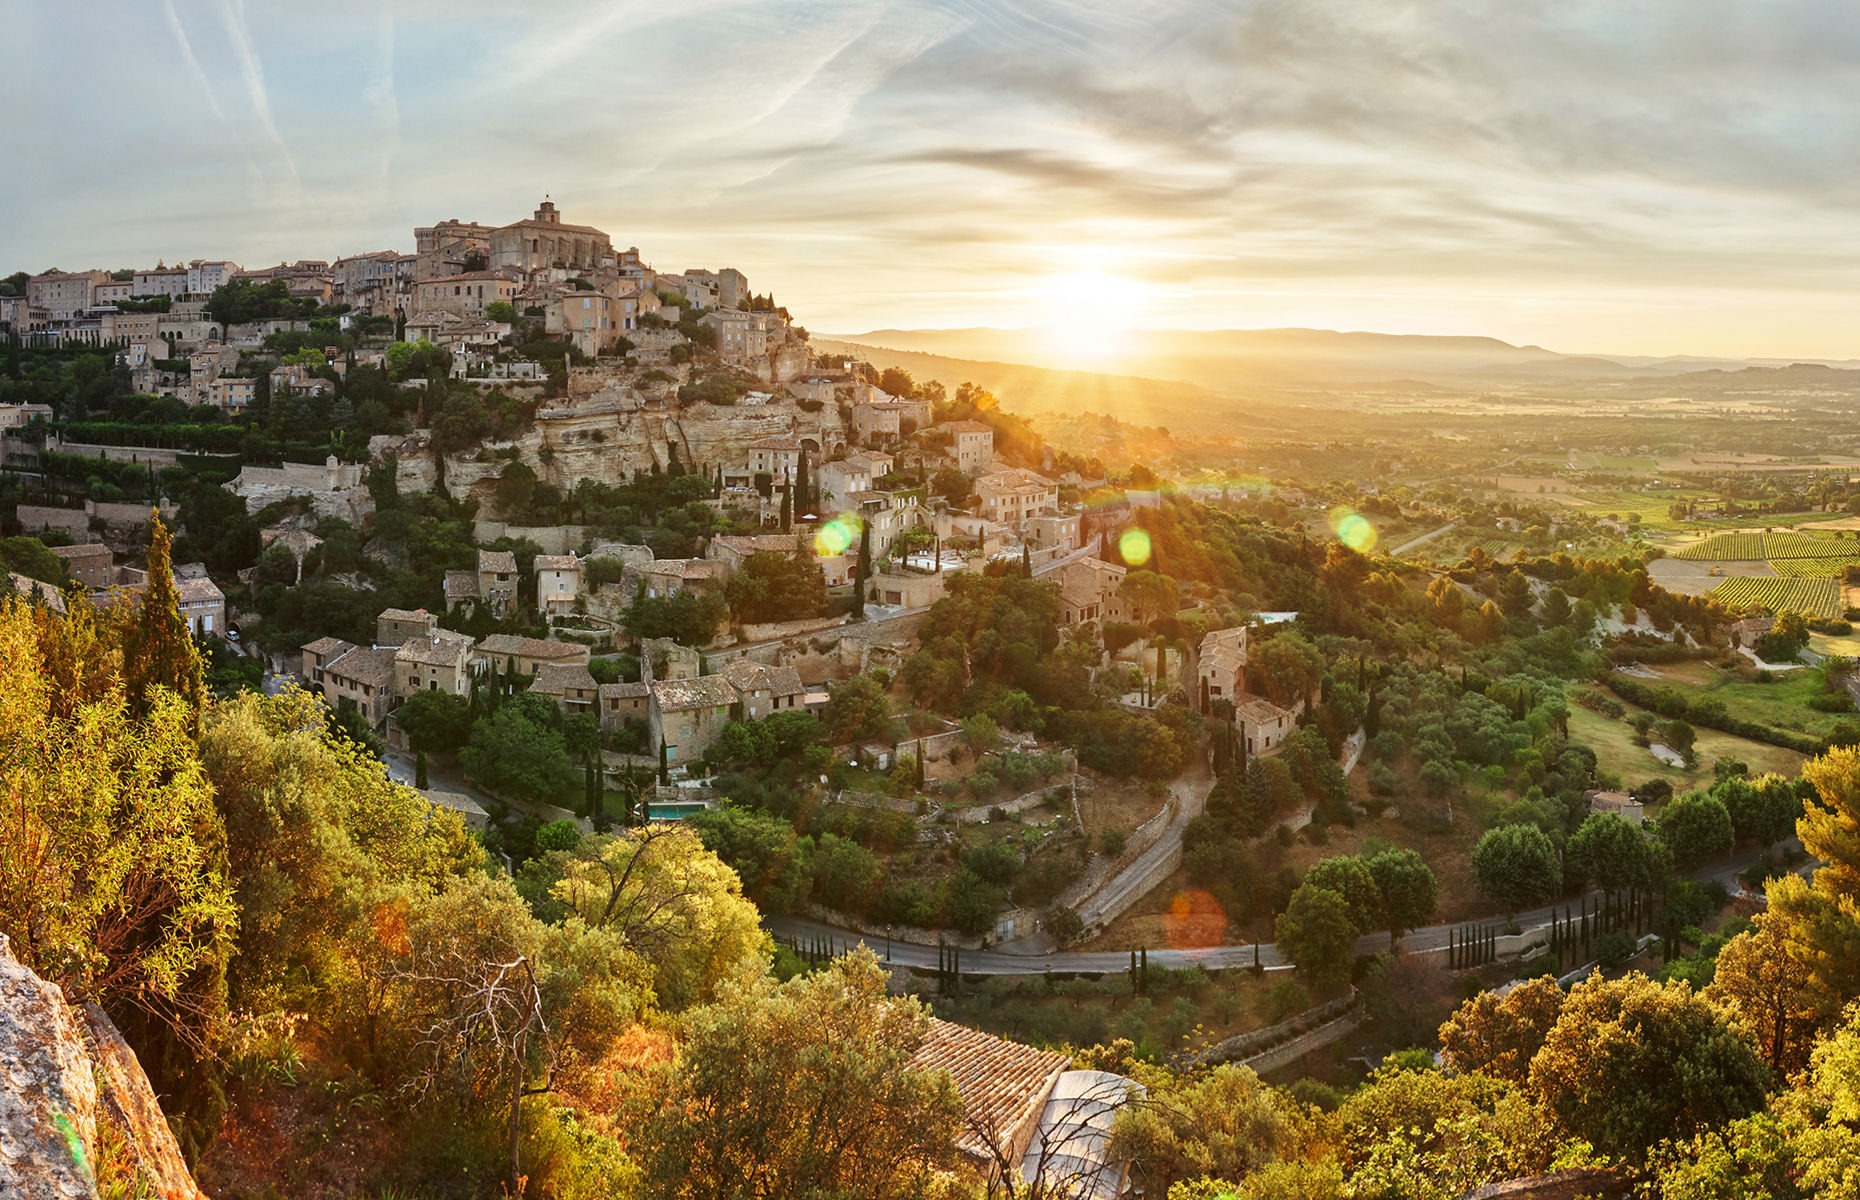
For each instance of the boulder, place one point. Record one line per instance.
(69, 1084)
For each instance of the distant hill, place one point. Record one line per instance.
(1182, 407)
(1229, 359)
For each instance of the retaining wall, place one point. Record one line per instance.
(554, 539)
(1245, 1047)
(1300, 1046)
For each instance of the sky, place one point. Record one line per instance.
(1629, 177)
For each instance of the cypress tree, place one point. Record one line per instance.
(419, 769)
(804, 502)
(158, 651)
(1026, 560)
(787, 509)
(665, 778)
(863, 571)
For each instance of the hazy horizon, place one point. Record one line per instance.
(1653, 179)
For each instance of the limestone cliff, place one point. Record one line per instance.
(74, 1101)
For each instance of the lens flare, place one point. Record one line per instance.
(835, 536)
(1134, 545)
(1195, 919)
(1353, 529)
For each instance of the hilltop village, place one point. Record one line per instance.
(511, 636)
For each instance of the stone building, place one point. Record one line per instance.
(361, 675)
(1088, 591)
(434, 661)
(463, 295)
(1222, 663)
(569, 685)
(763, 690)
(688, 715)
(1013, 495)
(558, 582)
(397, 626)
(89, 565)
(973, 444)
(623, 702)
(528, 654)
(544, 241)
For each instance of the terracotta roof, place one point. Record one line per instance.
(472, 275)
(198, 589)
(404, 614)
(461, 584)
(557, 562)
(780, 543)
(706, 691)
(966, 427)
(625, 691)
(364, 665)
(746, 676)
(326, 646)
(522, 647)
(558, 679)
(776, 443)
(436, 650)
(1003, 1084)
(89, 551)
(552, 226)
(1225, 647)
(1260, 710)
(497, 560)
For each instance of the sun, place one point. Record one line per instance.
(1087, 315)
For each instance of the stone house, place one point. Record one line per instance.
(1263, 724)
(1222, 663)
(397, 626)
(778, 457)
(1088, 591)
(663, 658)
(202, 605)
(1013, 495)
(1052, 532)
(688, 715)
(973, 444)
(340, 670)
(569, 685)
(434, 661)
(877, 420)
(841, 482)
(89, 565)
(1621, 804)
(590, 320)
(765, 690)
(527, 653)
(497, 580)
(558, 582)
(623, 702)
(463, 295)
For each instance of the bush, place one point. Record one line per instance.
(1111, 842)
(1286, 998)
(1414, 1058)
(1318, 1095)
(1617, 945)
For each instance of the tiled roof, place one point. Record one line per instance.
(706, 691)
(1260, 710)
(1224, 647)
(558, 679)
(625, 691)
(749, 676)
(461, 584)
(557, 562)
(966, 427)
(441, 649)
(780, 543)
(364, 665)
(326, 646)
(522, 647)
(198, 589)
(497, 560)
(1003, 1084)
(775, 443)
(68, 552)
(404, 614)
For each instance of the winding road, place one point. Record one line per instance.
(1002, 962)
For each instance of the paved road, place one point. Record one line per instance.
(1005, 962)
(1402, 549)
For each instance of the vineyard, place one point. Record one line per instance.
(1501, 550)
(1725, 547)
(1814, 568)
(1816, 597)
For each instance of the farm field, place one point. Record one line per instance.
(1843, 647)
(1736, 547)
(1814, 568)
(1780, 704)
(1615, 751)
(1816, 597)
(1807, 545)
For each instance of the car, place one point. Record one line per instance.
(232, 635)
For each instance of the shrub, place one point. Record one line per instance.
(1112, 842)
(1317, 1094)
(1286, 998)
(1617, 945)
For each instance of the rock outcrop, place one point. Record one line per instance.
(70, 1086)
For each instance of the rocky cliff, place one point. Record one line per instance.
(74, 1102)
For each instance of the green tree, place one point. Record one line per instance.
(435, 720)
(1349, 877)
(1515, 867)
(1406, 891)
(1696, 827)
(856, 711)
(802, 1089)
(1630, 1063)
(1499, 1036)
(951, 484)
(777, 587)
(158, 652)
(1613, 853)
(508, 752)
(1226, 1125)
(1317, 932)
(1557, 611)
(1763, 810)
(502, 311)
(1149, 596)
(1763, 983)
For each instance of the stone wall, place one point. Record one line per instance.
(1577, 1183)
(554, 539)
(121, 454)
(1248, 1047)
(34, 518)
(1298, 1047)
